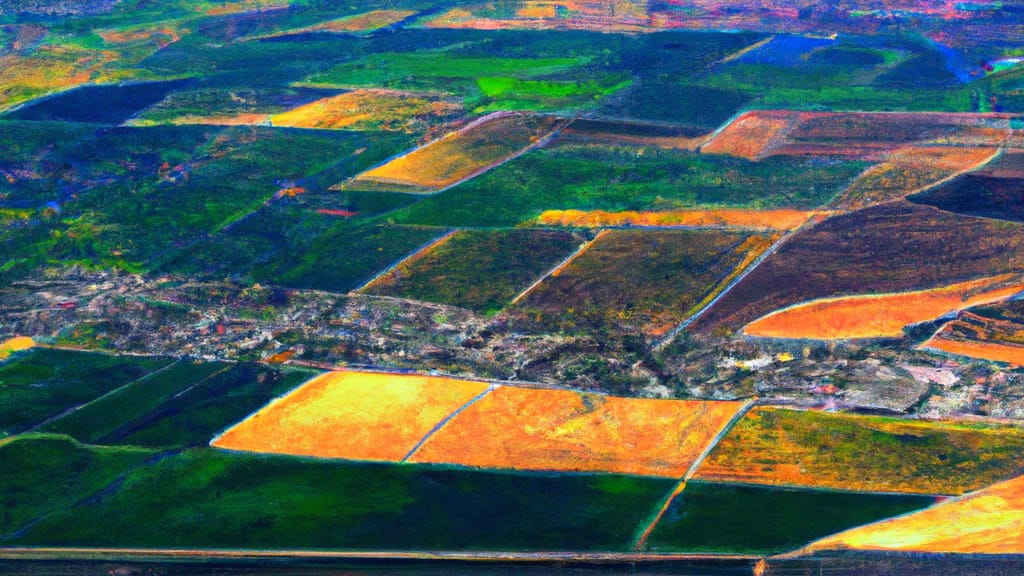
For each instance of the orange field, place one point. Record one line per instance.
(760, 219)
(49, 69)
(460, 155)
(883, 315)
(353, 415)
(803, 448)
(750, 135)
(996, 351)
(15, 344)
(538, 429)
(368, 110)
(990, 521)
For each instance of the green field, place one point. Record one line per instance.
(41, 383)
(480, 270)
(47, 473)
(211, 499)
(724, 518)
(594, 177)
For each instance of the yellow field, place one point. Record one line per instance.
(48, 69)
(368, 110)
(990, 521)
(812, 449)
(461, 154)
(878, 316)
(365, 22)
(781, 219)
(353, 415)
(15, 344)
(997, 351)
(536, 429)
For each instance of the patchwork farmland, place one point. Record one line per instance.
(578, 283)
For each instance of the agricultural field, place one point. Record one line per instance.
(279, 502)
(910, 171)
(796, 448)
(620, 178)
(476, 269)
(371, 110)
(880, 316)
(353, 415)
(644, 281)
(560, 430)
(993, 333)
(39, 384)
(738, 518)
(898, 247)
(459, 155)
(983, 522)
(780, 219)
(558, 277)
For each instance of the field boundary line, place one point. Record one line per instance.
(743, 51)
(444, 421)
(640, 539)
(558, 267)
(413, 256)
(668, 338)
(103, 396)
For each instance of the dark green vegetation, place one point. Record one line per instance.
(39, 384)
(619, 178)
(198, 413)
(134, 400)
(107, 414)
(47, 473)
(888, 248)
(96, 104)
(709, 517)
(206, 498)
(649, 281)
(479, 270)
(137, 198)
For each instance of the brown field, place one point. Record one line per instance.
(990, 521)
(782, 219)
(783, 447)
(864, 135)
(643, 281)
(895, 247)
(910, 170)
(751, 135)
(561, 430)
(881, 315)
(352, 415)
(15, 344)
(369, 110)
(460, 155)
